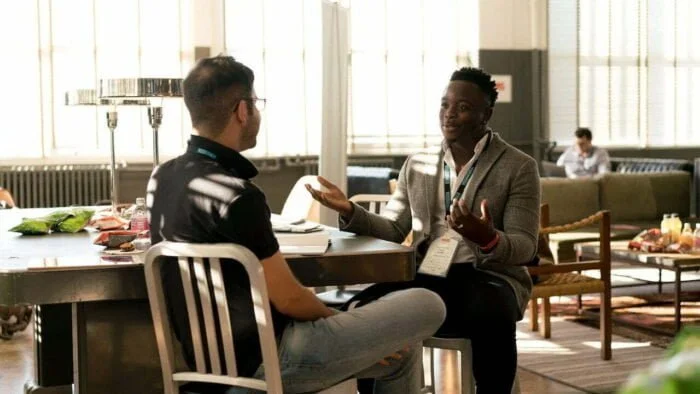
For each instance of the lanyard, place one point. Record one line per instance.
(460, 189)
(207, 153)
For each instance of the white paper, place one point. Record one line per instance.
(281, 224)
(439, 257)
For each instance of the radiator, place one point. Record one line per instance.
(45, 186)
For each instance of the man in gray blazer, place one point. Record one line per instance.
(473, 208)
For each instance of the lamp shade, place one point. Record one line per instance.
(89, 97)
(140, 87)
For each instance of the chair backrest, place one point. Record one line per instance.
(374, 203)
(603, 263)
(393, 184)
(200, 269)
(299, 203)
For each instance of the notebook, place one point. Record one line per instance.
(314, 243)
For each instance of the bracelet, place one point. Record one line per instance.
(488, 247)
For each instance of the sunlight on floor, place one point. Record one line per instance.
(618, 345)
(542, 346)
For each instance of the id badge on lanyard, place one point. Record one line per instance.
(439, 256)
(441, 252)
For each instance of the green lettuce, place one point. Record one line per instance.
(76, 221)
(64, 221)
(37, 226)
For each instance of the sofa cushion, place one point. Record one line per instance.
(570, 199)
(628, 196)
(672, 193)
(645, 196)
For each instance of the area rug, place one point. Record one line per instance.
(572, 356)
(643, 317)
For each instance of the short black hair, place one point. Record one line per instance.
(582, 132)
(213, 88)
(480, 78)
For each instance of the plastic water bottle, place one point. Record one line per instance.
(696, 238)
(676, 227)
(139, 219)
(687, 238)
(666, 229)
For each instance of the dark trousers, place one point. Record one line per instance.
(483, 308)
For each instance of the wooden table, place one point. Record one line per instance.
(675, 262)
(93, 325)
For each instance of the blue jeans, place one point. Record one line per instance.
(316, 355)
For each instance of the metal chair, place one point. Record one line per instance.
(193, 268)
(464, 347)
(374, 203)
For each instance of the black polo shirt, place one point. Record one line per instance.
(206, 196)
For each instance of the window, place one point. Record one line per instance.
(402, 54)
(626, 78)
(281, 42)
(54, 54)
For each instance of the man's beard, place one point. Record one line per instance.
(250, 136)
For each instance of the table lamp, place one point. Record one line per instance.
(143, 88)
(88, 97)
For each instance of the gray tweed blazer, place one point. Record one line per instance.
(505, 176)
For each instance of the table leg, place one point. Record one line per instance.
(115, 348)
(31, 388)
(53, 364)
(677, 299)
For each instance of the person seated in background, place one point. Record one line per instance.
(474, 212)
(584, 159)
(6, 200)
(206, 196)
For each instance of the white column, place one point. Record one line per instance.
(333, 158)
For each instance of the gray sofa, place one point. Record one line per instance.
(628, 165)
(636, 201)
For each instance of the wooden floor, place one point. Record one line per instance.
(16, 368)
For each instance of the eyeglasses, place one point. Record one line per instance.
(257, 101)
(260, 103)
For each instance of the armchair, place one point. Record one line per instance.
(566, 278)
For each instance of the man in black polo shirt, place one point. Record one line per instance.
(206, 196)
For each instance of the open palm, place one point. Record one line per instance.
(333, 198)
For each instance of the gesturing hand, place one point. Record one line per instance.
(334, 198)
(478, 230)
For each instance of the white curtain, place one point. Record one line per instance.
(333, 157)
